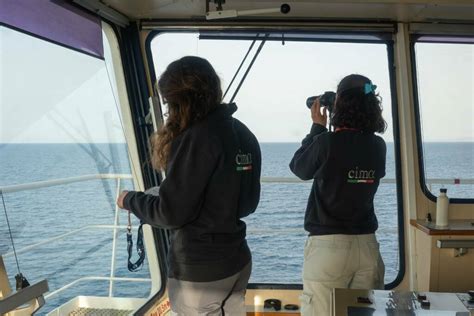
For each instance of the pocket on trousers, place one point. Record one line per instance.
(326, 260)
(307, 248)
(306, 300)
(378, 264)
(374, 251)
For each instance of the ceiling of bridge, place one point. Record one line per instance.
(402, 10)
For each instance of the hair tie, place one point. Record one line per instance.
(369, 88)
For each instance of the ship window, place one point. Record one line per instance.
(63, 155)
(444, 79)
(271, 102)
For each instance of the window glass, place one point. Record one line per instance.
(271, 103)
(59, 120)
(446, 105)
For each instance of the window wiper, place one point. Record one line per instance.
(240, 66)
(259, 49)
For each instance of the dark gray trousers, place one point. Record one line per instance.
(216, 298)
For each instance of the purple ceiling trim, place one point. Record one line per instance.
(446, 39)
(57, 21)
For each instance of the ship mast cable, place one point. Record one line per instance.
(132, 267)
(259, 49)
(21, 281)
(240, 66)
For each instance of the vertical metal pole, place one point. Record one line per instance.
(114, 243)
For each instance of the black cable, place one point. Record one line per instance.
(250, 67)
(10, 232)
(241, 64)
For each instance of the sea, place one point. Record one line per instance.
(62, 233)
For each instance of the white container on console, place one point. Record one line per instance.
(442, 205)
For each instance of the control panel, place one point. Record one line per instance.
(383, 303)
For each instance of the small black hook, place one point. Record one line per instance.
(21, 282)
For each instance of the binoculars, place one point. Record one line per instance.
(327, 99)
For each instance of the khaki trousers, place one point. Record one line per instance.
(338, 261)
(224, 297)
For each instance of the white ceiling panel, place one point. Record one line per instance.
(404, 10)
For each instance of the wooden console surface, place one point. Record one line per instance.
(455, 227)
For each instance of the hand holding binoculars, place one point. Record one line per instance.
(327, 99)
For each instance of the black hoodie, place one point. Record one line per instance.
(212, 180)
(346, 166)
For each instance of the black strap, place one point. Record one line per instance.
(135, 266)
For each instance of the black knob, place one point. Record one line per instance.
(291, 307)
(272, 303)
(425, 304)
(285, 8)
(421, 297)
(363, 300)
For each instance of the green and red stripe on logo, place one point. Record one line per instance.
(360, 181)
(244, 168)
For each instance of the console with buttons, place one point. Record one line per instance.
(383, 303)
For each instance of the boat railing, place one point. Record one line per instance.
(442, 181)
(116, 226)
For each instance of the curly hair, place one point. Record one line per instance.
(354, 108)
(192, 89)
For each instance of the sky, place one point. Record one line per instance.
(56, 95)
(51, 94)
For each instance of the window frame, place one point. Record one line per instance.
(414, 39)
(138, 94)
(385, 38)
(133, 81)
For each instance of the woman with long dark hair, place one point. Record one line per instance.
(346, 166)
(212, 163)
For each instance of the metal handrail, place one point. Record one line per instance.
(63, 181)
(301, 230)
(94, 278)
(56, 182)
(117, 226)
(449, 181)
(383, 180)
(114, 243)
(62, 236)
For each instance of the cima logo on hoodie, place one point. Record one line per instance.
(360, 176)
(243, 162)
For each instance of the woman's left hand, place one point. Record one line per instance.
(120, 199)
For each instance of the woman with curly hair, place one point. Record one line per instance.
(346, 166)
(212, 163)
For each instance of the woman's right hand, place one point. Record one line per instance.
(318, 118)
(120, 199)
